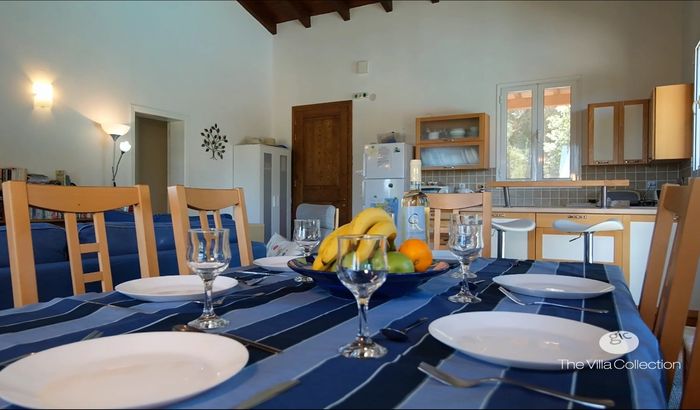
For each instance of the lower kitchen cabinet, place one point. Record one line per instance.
(637, 240)
(560, 246)
(519, 245)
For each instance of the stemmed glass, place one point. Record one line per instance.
(362, 268)
(465, 243)
(307, 234)
(208, 254)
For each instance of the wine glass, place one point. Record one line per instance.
(208, 254)
(465, 243)
(307, 234)
(362, 268)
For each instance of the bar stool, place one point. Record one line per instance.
(587, 231)
(501, 226)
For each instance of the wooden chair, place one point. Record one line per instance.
(691, 394)
(19, 196)
(666, 298)
(458, 203)
(183, 199)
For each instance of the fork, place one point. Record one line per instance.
(92, 335)
(539, 302)
(455, 381)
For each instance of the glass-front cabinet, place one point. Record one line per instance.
(457, 141)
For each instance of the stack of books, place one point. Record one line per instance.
(13, 174)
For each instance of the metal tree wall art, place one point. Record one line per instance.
(214, 142)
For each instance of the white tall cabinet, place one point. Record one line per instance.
(264, 173)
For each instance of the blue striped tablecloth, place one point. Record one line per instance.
(310, 325)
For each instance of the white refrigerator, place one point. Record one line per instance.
(385, 170)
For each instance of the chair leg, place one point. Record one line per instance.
(501, 249)
(588, 247)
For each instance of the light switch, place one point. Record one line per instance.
(362, 67)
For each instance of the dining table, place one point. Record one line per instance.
(309, 325)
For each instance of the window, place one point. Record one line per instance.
(535, 138)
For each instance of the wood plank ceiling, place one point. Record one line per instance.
(272, 12)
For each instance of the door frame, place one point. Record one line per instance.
(347, 105)
(169, 117)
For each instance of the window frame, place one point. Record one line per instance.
(536, 141)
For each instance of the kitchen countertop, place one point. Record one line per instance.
(634, 210)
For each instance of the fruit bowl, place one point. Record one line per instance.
(396, 284)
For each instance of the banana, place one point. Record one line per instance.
(384, 228)
(375, 220)
(328, 250)
(367, 218)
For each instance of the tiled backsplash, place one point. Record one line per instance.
(673, 172)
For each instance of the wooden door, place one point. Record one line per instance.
(322, 156)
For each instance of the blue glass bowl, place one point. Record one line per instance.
(396, 284)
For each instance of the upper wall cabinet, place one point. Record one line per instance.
(458, 141)
(618, 132)
(671, 122)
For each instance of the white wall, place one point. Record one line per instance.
(691, 36)
(449, 57)
(209, 61)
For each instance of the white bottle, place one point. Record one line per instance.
(414, 212)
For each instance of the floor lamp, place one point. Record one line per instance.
(116, 131)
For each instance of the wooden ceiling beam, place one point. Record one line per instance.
(342, 7)
(257, 10)
(387, 4)
(302, 14)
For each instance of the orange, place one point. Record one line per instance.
(418, 252)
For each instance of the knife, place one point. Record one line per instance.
(267, 394)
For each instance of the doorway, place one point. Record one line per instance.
(159, 148)
(322, 156)
(152, 160)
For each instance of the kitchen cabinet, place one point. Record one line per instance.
(618, 132)
(519, 245)
(637, 241)
(671, 122)
(264, 173)
(553, 244)
(459, 141)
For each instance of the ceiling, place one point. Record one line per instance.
(272, 12)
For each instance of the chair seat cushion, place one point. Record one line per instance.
(517, 225)
(565, 225)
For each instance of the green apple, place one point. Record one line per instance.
(399, 263)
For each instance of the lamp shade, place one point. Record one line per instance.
(125, 146)
(116, 129)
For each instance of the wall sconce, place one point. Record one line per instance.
(43, 95)
(116, 131)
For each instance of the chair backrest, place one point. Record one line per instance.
(328, 214)
(19, 196)
(458, 203)
(691, 394)
(666, 297)
(204, 200)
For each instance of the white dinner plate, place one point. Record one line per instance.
(275, 263)
(174, 288)
(149, 369)
(554, 286)
(521, 339)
